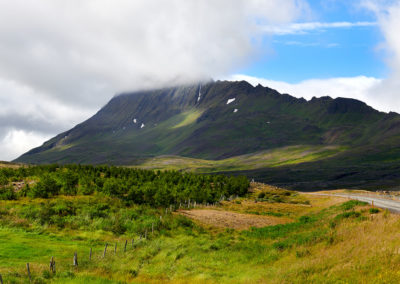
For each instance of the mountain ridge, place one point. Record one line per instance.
(214, 121)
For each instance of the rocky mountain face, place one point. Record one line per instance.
(216, 120)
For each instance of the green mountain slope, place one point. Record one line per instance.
(221, 120)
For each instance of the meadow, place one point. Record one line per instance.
(320, 239)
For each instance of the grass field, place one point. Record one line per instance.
(321, 239)
(266, 159)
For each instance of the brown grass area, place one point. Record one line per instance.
(10, 165)
(362, 252)
(227, 219)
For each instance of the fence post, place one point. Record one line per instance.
(105, 251)
(29, 271)
(152, 228)
(132, 243)
(75, 259)
(52, 265)
(90, 254)
(115, 248)
(126, 243)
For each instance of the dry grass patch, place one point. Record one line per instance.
(226, 219)
(362, 252)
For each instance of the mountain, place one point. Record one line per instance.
(216, 121)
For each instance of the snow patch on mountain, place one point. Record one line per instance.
(230, 101)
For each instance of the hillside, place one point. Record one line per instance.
(221, 120)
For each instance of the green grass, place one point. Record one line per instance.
(183, 251)
(266, 159)
(188, 118)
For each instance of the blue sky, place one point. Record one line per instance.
(325, 52)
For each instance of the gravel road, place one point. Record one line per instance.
(391, 205)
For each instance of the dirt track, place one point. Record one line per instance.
(227, 219)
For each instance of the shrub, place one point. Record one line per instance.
(351, 204)
(346, 215)
(3, 179)
(7, 193)
(261, 195)
(373, 210)
(69, 183)
(46, 187)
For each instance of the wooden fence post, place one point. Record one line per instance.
(52, 265)
(105, 251)
(75, 259)
(90, 254)
(29, 271)
(115, 248)
(126, 243)
(132, 243)
(152, 228)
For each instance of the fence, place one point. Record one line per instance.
(142, 237)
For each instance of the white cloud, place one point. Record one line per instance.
(61, 60)
(388, 15)
(19, 141)
(25, 108)
(352, 87)
(303, 28)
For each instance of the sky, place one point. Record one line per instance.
(62, 60)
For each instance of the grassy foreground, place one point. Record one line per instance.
(327, 240)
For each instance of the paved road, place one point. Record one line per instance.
(391, 205)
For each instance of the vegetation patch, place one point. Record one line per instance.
(351, 204)
(125, 227)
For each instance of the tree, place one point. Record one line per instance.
(70, 183)
(47, 186)
(3, 179)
